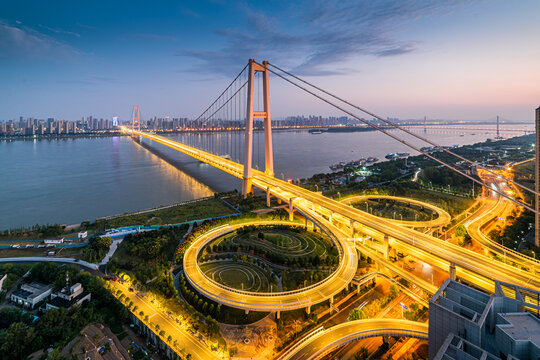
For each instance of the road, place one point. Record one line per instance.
(278, 301)
(166, 322)
(323, 342)
(474, 267)
(83, 264)
(441, 219)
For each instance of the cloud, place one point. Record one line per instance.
(18, 41)
(59, 31)
(313, 37)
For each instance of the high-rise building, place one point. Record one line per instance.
(537, 181)
(465, 323)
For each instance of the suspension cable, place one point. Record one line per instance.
(227, 88)
(403, 142)
(403, 129)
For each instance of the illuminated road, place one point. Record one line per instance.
(258, 301)
(498, 207)
(166, 323)
(473, 267)
(323, 342)
(442, 218)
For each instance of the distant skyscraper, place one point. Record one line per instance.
(115, 121)
(537, 180)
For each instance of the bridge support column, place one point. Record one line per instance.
(268, 152)
(308, 309)
(278, 313)
(268, 196)
(385, 339)
(248, 137)
(452, 271)
(247, 311)
(291, 209)
(351, 224)
(330, 216)
(358, 289)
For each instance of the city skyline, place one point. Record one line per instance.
(444, 60)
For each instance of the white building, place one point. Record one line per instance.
(68, 296)
(54, 241)
(30, 294)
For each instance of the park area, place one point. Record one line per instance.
(269, 258)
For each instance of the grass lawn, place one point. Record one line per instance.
(282, 242)
(237, 275)
(174, 215)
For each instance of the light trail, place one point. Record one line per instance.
(477, 267)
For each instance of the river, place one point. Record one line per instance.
(70, 180)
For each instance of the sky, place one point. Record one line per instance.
(469, 60)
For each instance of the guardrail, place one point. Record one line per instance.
(219, 233)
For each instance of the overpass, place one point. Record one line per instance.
(348, 221)
(442, 218)
(320, 343)
(268, 301)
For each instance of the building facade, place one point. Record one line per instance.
(468, 324)
(31, 294)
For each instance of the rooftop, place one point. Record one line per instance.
(522, 326)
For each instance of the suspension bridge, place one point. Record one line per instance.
(247, 100)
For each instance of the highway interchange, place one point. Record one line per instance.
(348, 227)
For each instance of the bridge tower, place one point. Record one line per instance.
(498, 135)
(251, 114)
(135, 119)
(537, 180)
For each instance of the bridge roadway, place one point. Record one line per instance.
(480, 267)
(320, 343)
(499, 207)
(442, 218)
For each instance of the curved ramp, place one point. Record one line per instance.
(442, 218)
(320, 343)
(278, 301)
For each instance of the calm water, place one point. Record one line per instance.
(70, 180)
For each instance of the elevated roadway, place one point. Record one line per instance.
(271, 301)
(323, 342)
(478, 266)
(499, 208)
(441, 219)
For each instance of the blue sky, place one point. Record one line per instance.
(407, 59)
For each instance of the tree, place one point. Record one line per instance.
(394, 291)
(356, 314)
(362, 354)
